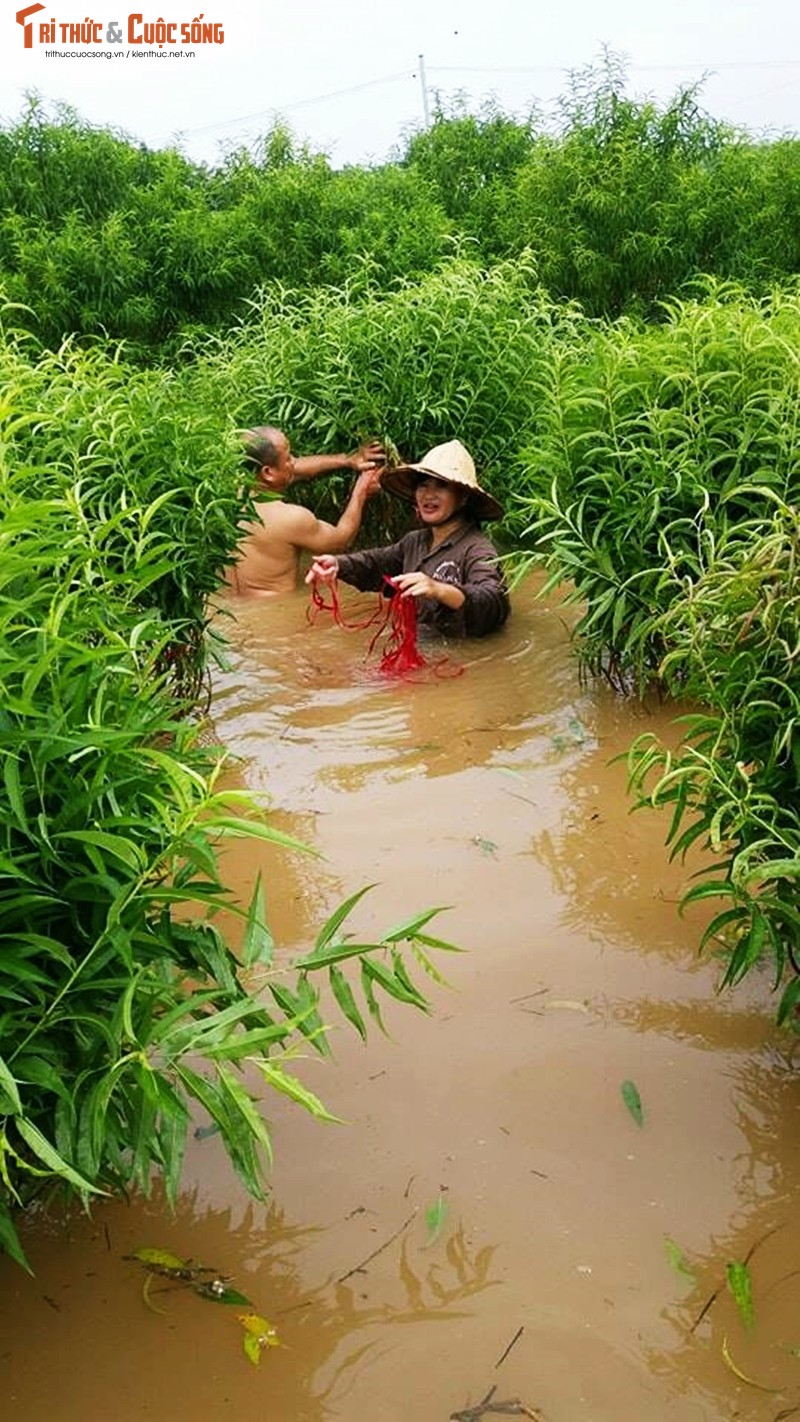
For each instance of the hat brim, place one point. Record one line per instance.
(403, 481)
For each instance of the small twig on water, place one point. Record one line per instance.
(704, 1310)
(514, 1340)
(359, 1268)
(511, 1408)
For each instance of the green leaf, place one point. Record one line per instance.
(9, 1239)
(252, 1348)
(676, 1258)
(411, 927)
(159, 1259)
(435, 1217)
(258, 945)
(327, 933)
(290, 1086)
(49, 1156)
(214, 1294)
(9, 1088)
(741, 1288)
(124, 850)
(633, 1101)
(775, 869)
(377, 973)
(344, 996)
(251, 829)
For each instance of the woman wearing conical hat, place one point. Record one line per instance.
(447, 564)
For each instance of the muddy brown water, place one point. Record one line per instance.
(488, 1222)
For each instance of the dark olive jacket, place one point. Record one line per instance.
(467, 558)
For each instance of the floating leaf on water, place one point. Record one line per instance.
(435, 1217)
(260, 1328)
(740, 1285)
(633, 1101)
(486, 846)
(161, 1261)
(567, 1004)
(258, 1334)
(677, 1258)
(218, 1292)
(252, 1348)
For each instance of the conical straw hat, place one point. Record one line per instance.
(452, 463)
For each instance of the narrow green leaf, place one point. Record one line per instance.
(252, 1348)
(741, 1288)
(633, 1101)
(411, 927)
(328, 932)
(9, 1089)
(677, 1259)
(50, 1157)
(435, 1217)
(258, 945)
(344, 996)
(224, 1295)
(290, 1086)
(9, 1239)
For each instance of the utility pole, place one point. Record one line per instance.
(425, 111)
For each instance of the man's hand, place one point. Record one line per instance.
(368, 456)
(368, 482)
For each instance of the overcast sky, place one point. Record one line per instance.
(346, 74)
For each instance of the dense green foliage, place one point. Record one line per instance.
(674, 452)
(98, 235)
(123, 1007)
(620, 201)
(463, 349)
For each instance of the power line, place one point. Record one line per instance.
(301, 103)
(565, 69)
(475, 69)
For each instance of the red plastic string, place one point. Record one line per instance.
(401, 656)
(318, 604)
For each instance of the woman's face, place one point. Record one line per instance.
(438, 501)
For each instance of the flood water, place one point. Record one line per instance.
(489, 1222)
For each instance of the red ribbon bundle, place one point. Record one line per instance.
(401, 656)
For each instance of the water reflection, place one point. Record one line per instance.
(609, 860)
(711, 1343)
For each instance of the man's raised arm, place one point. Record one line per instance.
(304, 530)
(309, 466)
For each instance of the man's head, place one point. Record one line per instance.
(269, 454)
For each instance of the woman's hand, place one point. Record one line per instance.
(324, 569)
(420, 585)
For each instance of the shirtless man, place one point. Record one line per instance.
(269, 552)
